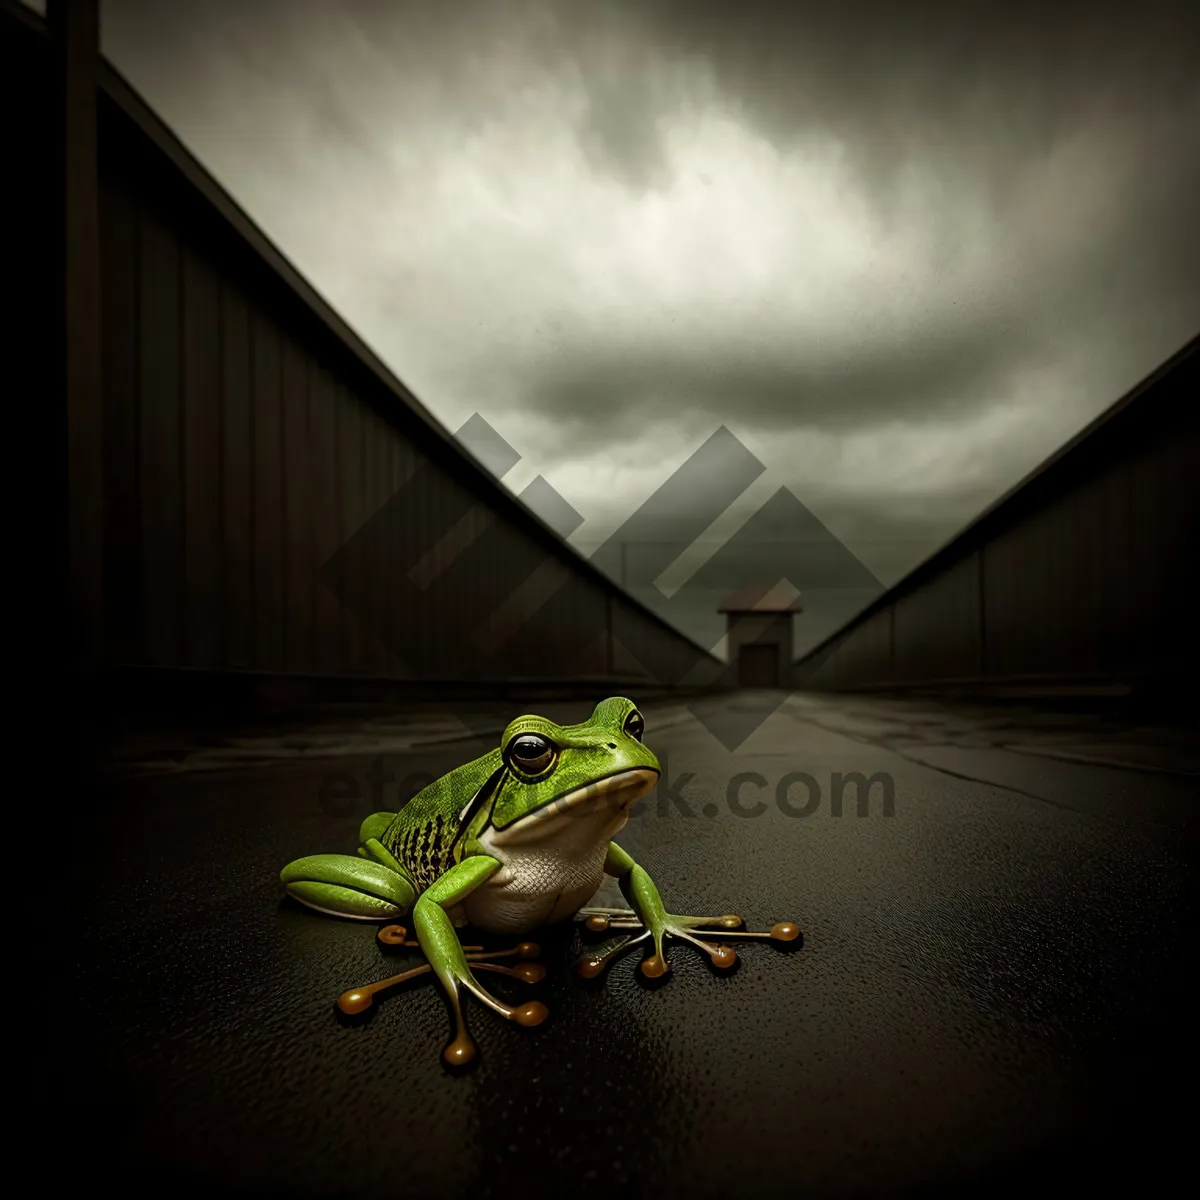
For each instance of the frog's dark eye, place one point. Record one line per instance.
(635, 726)
(530, 753)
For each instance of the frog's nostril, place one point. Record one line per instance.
(612, 745)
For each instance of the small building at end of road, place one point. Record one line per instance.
(758, 631)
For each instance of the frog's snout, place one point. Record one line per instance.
(609, 798)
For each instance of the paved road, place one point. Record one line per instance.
(989, 994)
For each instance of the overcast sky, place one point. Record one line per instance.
(902, 250)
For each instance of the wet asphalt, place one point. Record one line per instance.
(989, 993)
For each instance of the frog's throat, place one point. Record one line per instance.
(614, 795)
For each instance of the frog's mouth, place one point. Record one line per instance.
(604, 799)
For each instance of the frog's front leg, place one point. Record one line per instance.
(655, 922)
(640, 891)
(439, 939)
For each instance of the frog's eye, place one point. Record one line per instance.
(530, 753)
(635, 726)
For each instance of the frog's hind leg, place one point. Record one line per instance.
(372, 887)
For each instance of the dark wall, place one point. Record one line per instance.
(274, 502)
(34, 346)
(1086, 572)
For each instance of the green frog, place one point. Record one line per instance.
(517, 839)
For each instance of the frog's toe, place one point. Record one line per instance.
(656, 966)
(596, 959)
(782, 933)
(721, 956)
(357, 1000)
(528, 971)
(725, 921)
(461, 1050)
(599, 920)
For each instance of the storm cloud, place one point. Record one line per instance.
(902, 251)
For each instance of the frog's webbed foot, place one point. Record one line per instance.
(656, 965)
(357, 1000)
(530, 972)
(728, 925)
(462, 1048)
(598, 920)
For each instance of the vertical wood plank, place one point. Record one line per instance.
(201, 461)
(237, 480)
(119, 278)
(298, 520)
(75, 38)
(403, 552)
(388, 566)
(376, 564)
(268, 498)
(351, 507)
(1162, 510)
(390, 481)
(161, 507)
(325, 463)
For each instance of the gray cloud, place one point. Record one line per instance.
(980, 87)
(902, 250)
(775, 385)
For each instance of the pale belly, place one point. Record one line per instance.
(536, 886)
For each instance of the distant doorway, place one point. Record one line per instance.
(758, 665)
